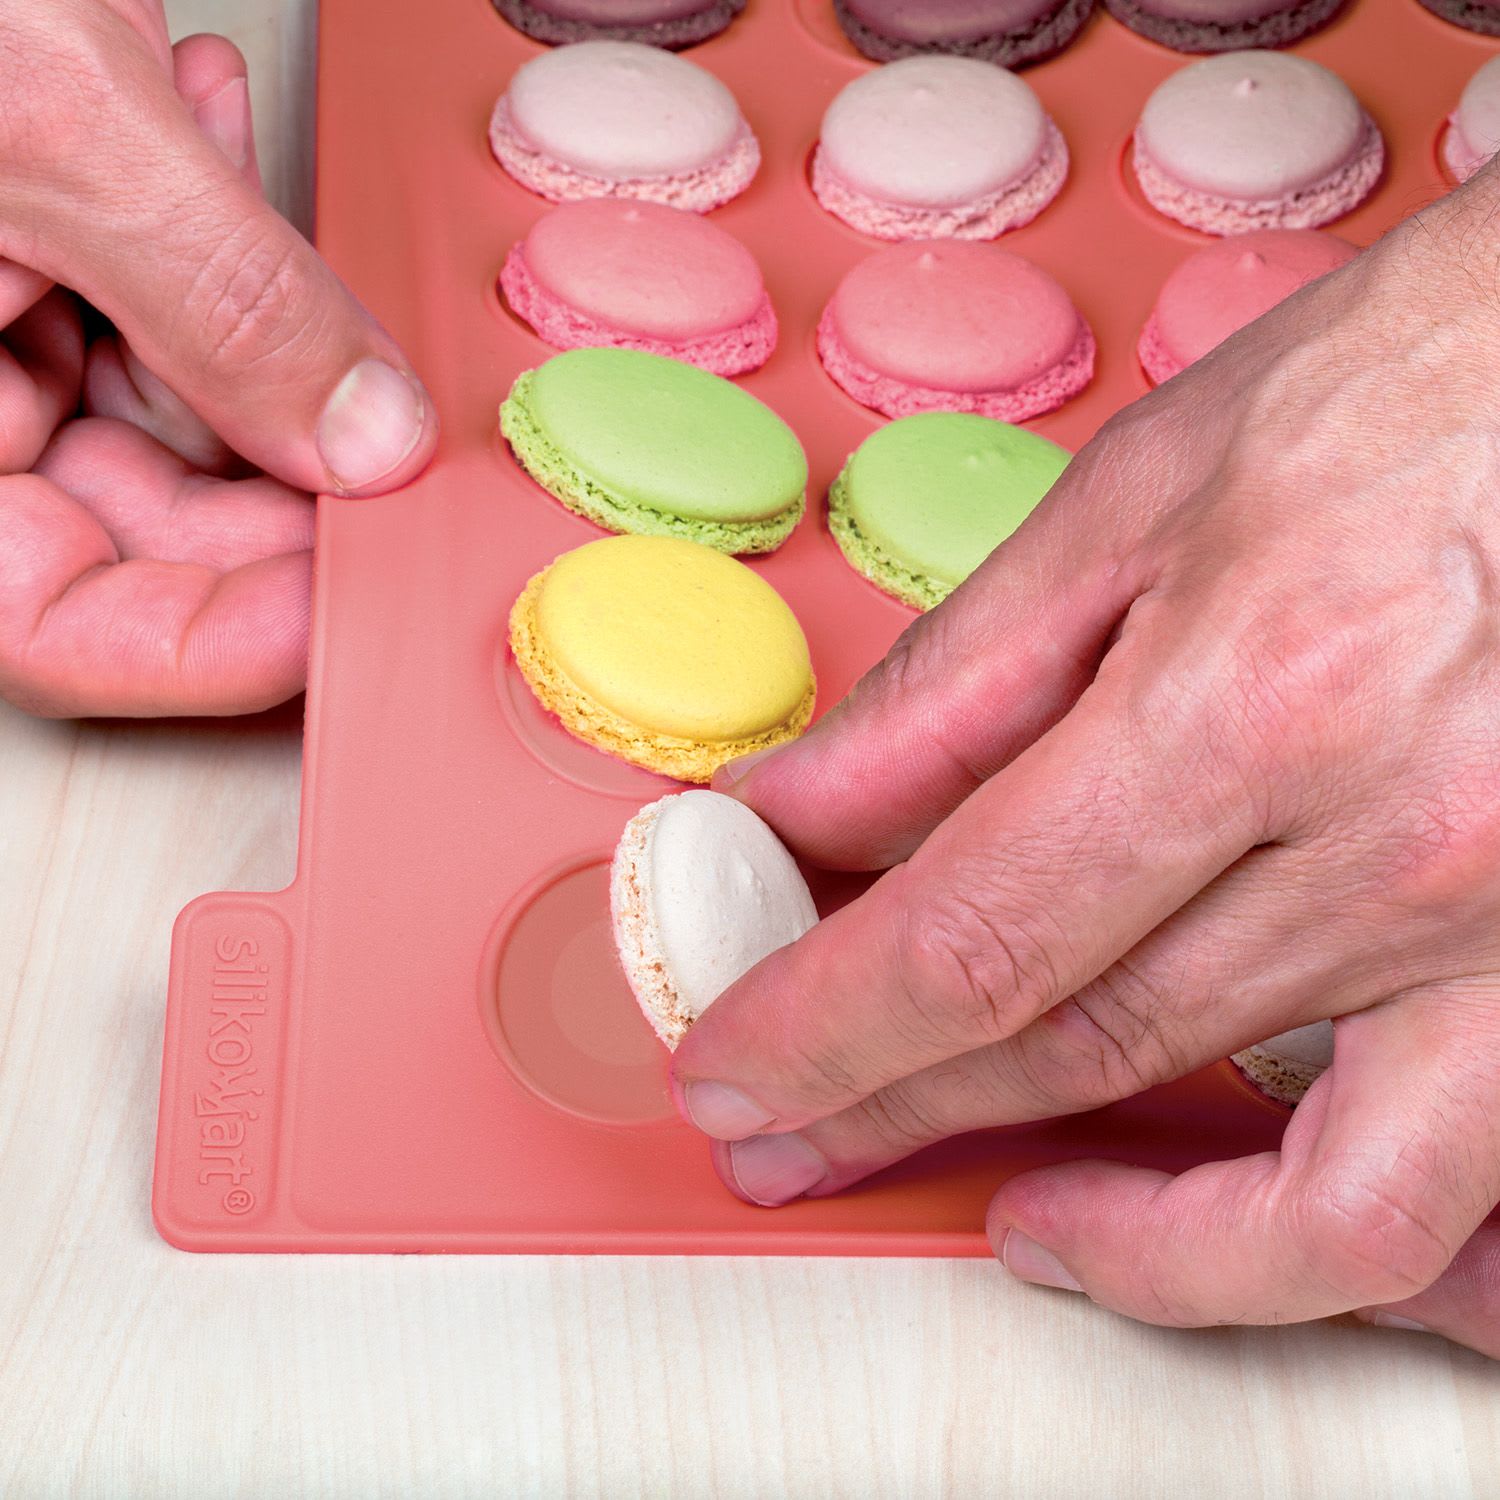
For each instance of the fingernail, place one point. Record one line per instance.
(723, 1112)
(1394, 1320)
(736, 770)
(773, 1169)
(224, 117)
(372, 422)
(1028, 1261)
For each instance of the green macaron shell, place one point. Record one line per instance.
(925, 499)
(640, 443)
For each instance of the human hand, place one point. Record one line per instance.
(141, 570)
(1208, 750)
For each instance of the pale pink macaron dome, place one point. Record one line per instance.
(935, 146)
(955, 325)
(1256, 140)
(610, 272)
(1216, 291)
(623, 120)
(1474, 126)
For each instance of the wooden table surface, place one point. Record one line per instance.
(130, 1369)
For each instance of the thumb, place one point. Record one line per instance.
(213, 290)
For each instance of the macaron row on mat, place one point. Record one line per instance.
(426, 1042)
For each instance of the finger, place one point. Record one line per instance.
(211, 78)
(41, 362)
(82, 632)
(1388, 1166)
(1039, 882)
(20, 288)
(1231, 965)
(152, 504)
(1463, 1304)
(212, 289)
(117, 385)
(973, 682)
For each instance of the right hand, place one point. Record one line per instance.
(141, 572)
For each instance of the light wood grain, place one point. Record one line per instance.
(129, 1369)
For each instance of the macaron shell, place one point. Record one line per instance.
(621, 12)
(642, 443)
(1216, 12)
(933, 132)
(1474, 127)
(1216, 291)
(945, 22)
(953, 315)
(724, 893)
(1251, 125)
(924, 500)
(673, 637)
(622, 110)
(645, 269)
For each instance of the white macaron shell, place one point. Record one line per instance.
(933, 131)
(723, 893)
(623, 110)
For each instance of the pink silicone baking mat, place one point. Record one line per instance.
(424, 1043)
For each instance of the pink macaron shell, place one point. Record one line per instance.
(954, 325)
(1474, 126)
(644, 269)
(735, 351)
(1216, 291)
(983, 218)
(899, 398)
(619, 12)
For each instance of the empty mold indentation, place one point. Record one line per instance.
(559, 1010)
(559, 751)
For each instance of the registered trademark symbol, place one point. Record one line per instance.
(239, 1200)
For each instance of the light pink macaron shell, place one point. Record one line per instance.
(1254, 125)
(954, 315)
(1474, 126)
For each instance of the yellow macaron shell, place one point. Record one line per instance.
(674, 637)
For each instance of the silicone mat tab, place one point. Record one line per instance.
(425, 1043)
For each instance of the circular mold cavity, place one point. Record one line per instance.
(559, 752)
(559, 1012)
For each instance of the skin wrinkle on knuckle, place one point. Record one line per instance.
(973, 977)
(1367, 1240)
(244, 304)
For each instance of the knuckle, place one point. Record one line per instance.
(1371, 1245)
(245, 302)
(973, 973)
(1108, 1041)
